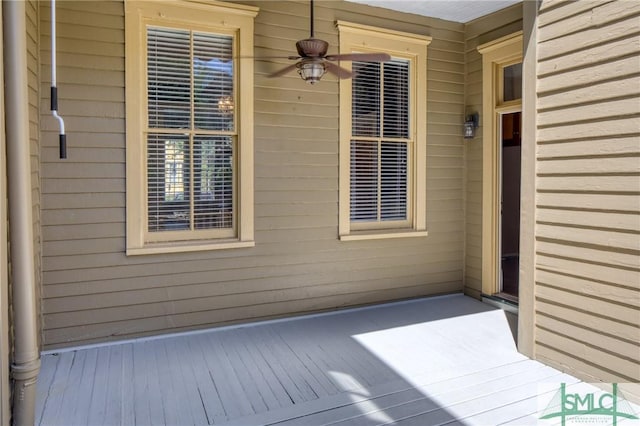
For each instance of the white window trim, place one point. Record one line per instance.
(364, 38)
(204, 15)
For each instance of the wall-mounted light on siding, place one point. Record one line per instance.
(470, 125)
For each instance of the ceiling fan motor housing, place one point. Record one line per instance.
(312, 48)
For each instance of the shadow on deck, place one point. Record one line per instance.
(440, 360)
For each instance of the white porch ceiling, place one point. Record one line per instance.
(452, 10)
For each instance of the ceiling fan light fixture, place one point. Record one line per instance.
(311, 71)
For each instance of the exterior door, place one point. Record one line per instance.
(510, 125)
(501, 112)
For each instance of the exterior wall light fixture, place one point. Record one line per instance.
(470, 125)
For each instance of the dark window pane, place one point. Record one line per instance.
(512, 82)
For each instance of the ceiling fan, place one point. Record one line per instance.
(313, 61)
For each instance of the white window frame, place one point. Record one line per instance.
(206, 16)
(357, 38)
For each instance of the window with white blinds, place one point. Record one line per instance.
(380, 144)
(189, 146)
(190, 137)
(383, 137)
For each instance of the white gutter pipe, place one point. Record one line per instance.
(26, 359)
(54, 83)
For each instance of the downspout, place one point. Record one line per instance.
(26, 359)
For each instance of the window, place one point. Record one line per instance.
(511, 82)
(383, 135)
(379, 143)
(189, 150)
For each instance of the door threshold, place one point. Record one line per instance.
(507, 297)
(508, 303)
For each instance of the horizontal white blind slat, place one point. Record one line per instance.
(169, 78)
(364, 181)
(393, 181)
(365, 107)
(396, 99)
(168, 177)
(213, 186)
(213, 81)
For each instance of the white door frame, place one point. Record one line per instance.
(496, 55)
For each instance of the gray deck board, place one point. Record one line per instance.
(208, 393)
(448, 360)
(70, 393)
(293, 365)
(47, 372)
(223, 376)
(267, 377)
(320, 359)
(185, 393)
(86, 386)
(140, 386)
(276, 366)
(114, 391)
(56, 391)
(313, 361)
(380, 397)
(459, 405)
(155, 401)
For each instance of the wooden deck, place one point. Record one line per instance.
(443, 360)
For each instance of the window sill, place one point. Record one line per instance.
(188, 246)
(380, 235)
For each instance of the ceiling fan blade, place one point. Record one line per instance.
(337, 71)
(293, 58)
(364, 57)
(283, 71)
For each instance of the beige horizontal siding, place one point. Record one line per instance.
(255, 266)
(93, 292)
(627, 203)
(167, 320)
(482, 30)
(588, 189)
(586, 26)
